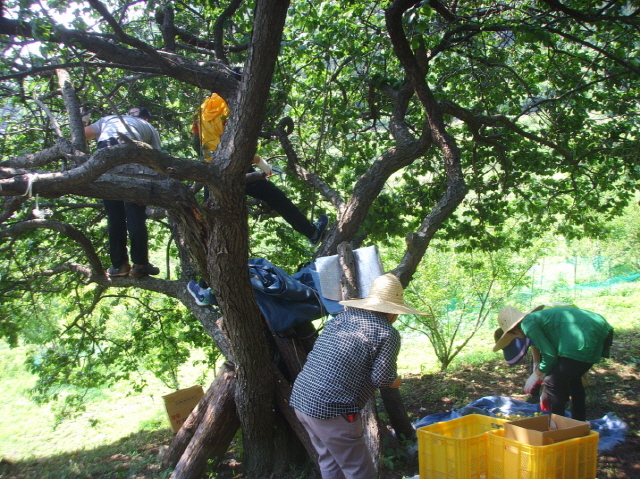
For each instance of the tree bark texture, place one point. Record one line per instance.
(217, 423)
(372, 432)
(348, 281)
(283, 395)
(456, 191)
(228, 276)
(228, 244)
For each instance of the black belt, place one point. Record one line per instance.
(108, 142)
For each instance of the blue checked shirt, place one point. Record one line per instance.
(355, 354)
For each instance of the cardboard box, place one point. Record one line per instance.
(544, 430)
(179, 405)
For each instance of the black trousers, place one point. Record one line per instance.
(123, 218)
(564, 383)
(127, 218)
(276, 199)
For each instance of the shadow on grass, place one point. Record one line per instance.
(135, 456)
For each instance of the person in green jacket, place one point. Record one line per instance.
(570, 340)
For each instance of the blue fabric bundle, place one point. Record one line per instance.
(285, 301)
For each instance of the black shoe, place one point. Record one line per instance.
(123, 270)
(141, 270)
(320, 226)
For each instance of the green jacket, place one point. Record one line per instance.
(567, 332)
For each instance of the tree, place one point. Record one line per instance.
(461, 290)
(416, 119)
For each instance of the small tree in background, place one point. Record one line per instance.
(463, 290)
(621, 242)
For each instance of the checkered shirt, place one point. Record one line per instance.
(355, 354)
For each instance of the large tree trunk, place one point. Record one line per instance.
(243, 326)
(217, 423)
(228, 244)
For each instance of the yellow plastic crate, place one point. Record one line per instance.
(456, 449)
(571, 459)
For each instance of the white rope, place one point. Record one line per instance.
(30, 180)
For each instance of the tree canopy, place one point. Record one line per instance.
(485, 121)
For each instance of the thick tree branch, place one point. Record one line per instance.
(129, 40)
(62, 149)
(72, 104)
(456, 188)
(16, 180)
(351, 214)
(367, 189)
(63, 228)
(218, 79)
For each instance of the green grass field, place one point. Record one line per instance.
(29, 430)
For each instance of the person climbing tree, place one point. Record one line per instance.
(208, 126)
(122, 216)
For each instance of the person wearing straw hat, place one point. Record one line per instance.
(355, 354)
(570, 341)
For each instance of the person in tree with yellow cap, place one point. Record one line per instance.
(208, 126)
(570, 341)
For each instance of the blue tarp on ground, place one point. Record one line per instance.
(612, 430)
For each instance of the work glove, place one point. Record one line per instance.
(544, 401)
(533, 380)
(264, 166)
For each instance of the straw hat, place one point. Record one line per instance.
(385, 296)
(508, 318)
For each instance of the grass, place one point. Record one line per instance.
(112, 414)
(121, 434)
